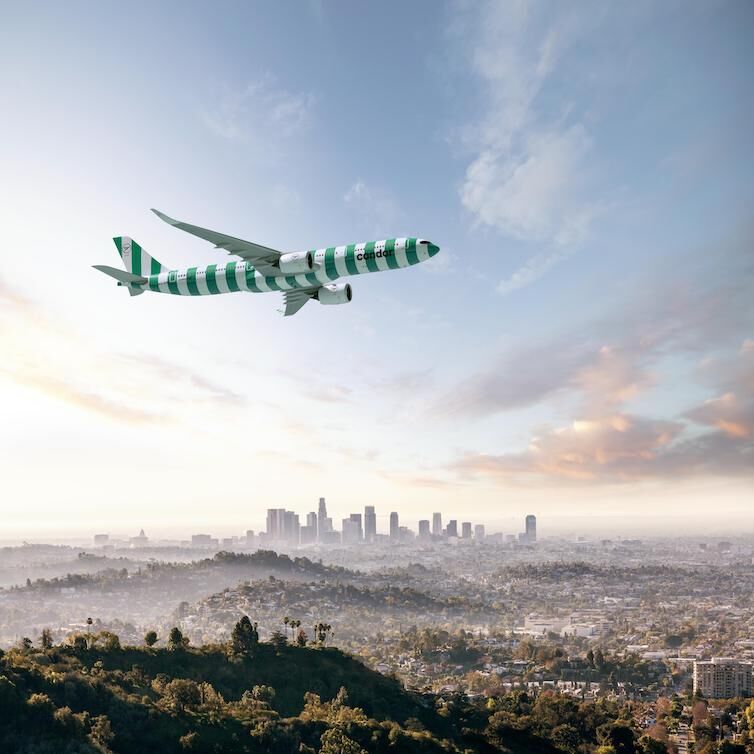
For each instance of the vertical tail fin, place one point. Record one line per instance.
(135, 259)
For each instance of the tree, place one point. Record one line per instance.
(334, 741)
(150, 638)
(176, 639)
(110, 641)
(244, 637)
(566, 737)
(278, 640)
(301, 637)
(590, 658)
(189, 742)
(649, 745)
(101, 732)
(45, 640)
(181, 693)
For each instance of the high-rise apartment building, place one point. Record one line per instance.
(723, 678)
(466, 530)
(275, 524)
(452, 528)
(394, 527)
(531, 528)
(424, 529)
(370, 523)
(437, 524)
(479, 532)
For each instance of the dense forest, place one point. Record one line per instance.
(290, 694)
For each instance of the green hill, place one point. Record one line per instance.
(94, 696)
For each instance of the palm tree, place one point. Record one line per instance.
(286, 621)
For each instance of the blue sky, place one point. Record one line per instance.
(583, 346)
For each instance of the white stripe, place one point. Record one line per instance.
(241, 276)
(422, 251)
(283, 283)
(182, 283)
(382, 264)
(321, 275)
(340, 261)
(302, 281)
(220, 281)
(261, 283)
(201, 281)
(361, 264)
(400, 252)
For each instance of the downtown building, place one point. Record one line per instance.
(722, 678)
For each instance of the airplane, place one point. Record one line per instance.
(300, 275)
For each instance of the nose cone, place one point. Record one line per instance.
(433, 249)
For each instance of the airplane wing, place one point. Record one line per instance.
(262, 257)
(296, 298)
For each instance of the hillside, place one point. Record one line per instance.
(271, 698)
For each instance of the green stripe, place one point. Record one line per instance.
(411, 254)
(311, 277)
(272, 284)
(351, 259)
(371, 262)
(118, 241)
(392, 259)
(173, 286)
(154, 284)
(330, 270)
(135, 258)
(191, 280)
(291, 280)
(251, 280)
(211, 283)
(156, 267)
(230, 276)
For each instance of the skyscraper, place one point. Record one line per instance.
(452, 528)
(394, 527)
(424, 529)
(531, 529)
(356, 518)
(324, 524)
(466, 530)
(437, 524)
(479, 532)
(370, 523)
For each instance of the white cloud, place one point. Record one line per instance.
(528, 176)
(259, 111)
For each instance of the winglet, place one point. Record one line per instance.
(165, 218)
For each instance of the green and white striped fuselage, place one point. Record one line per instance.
(330, 264)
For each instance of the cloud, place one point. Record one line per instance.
(259, 112)
(44, 355)
(529, 174)
(535, 268)
(376, 205)
(618, 448)
(681, 308)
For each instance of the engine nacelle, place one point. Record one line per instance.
(335, 293)
(296, 262)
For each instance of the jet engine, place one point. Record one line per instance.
(296, 262)
(335, 293)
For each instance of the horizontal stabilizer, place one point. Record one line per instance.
(121, 275)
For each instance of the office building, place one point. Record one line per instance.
(351, 531)
(452, 528)
(531, 529)
(275, 524)
(723, 678)
(370, 523)
(250, 538)
(466, 530)
(308, 534)
(311, 520)
(479, 532)
(201, 540)
(394, 527)
(437, 524)
(424, 529)
(356, 518)
(101, 539)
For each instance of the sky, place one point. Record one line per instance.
(582, 347)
